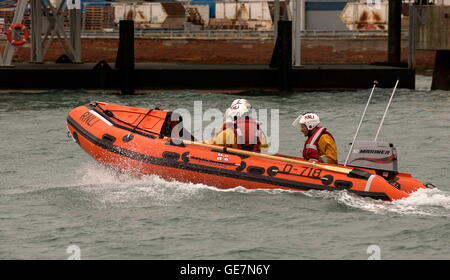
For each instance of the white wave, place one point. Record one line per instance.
(427, 197)
(110, 186)
(427, 202)
(241, 189)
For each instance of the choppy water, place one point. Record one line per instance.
(53, 195)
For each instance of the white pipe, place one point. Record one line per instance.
(360, 123)
(385, 112)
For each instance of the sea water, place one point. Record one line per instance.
(57, 203)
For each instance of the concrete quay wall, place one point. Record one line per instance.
(238, 51)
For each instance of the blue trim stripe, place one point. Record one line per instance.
(324, 6)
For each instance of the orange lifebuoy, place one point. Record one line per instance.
(17, 42)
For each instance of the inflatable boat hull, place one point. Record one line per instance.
(132, 140)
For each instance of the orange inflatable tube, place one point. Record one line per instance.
(139, 141)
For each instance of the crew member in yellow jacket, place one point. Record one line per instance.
(320, 144)
(239, 130)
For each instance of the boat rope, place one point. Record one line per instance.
(145, 116)
(109, 114)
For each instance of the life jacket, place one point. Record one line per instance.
(246, 131)
(310, 150)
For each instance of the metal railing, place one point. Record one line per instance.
(233, 34)
(236, 34)
(168, 33)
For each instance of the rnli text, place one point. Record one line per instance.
(89, 119)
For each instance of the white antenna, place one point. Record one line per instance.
(360, 123)
(385, 112)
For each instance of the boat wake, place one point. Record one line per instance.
(112, 187)
(424, 202)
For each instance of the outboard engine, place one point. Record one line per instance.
(380, 156)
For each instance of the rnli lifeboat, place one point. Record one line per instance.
(139, 141)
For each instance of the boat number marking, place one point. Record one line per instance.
(223, 157)
(89, 119)
(304, 172)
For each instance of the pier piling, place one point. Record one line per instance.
(394, 32)
(282, 55)
(125, 57)
(441, 73)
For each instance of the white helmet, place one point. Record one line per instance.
(237, 110)
(242, 101)
(310, 120)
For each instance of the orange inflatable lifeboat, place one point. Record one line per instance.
(139, 141)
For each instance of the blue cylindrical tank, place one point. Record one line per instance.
(211, 3)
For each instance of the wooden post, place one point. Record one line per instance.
(75, 33)
(36, 31)
(394, 31)
(125, 56)
(282, 55)
(441, 73)
(412, 37)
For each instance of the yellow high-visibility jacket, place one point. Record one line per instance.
(228, 138)
(327, 146)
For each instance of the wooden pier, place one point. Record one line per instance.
(150, 76)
